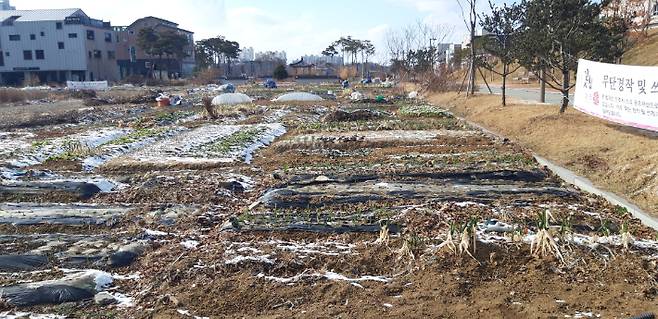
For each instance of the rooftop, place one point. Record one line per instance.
(41, 15)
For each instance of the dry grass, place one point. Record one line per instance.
(620, 159)
(645, 52)
(10, 95)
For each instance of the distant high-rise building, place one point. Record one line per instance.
(5, 6)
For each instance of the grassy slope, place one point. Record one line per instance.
(645, 52)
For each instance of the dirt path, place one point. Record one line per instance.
(622, 160)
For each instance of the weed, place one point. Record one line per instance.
(605, 228)
(424, 111)
(73, 150)
(621, 211)
(207, 104)
(411, 246)
(543, 244)
(626, 237)
(10, 95)
(236, 140)
(137, 135)
(40, 144)
(566, 228)
(468, 235)
(449, 242)
(384, 236)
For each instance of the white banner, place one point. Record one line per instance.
(97, 85)
(624, 94)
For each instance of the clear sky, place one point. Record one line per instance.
(296, 26)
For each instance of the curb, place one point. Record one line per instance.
(582, 183)
(587, 186)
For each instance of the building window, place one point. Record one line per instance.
(2, 59)
(90, 54)
(655, 10)
(39, 54)
(7, 54)
(91, 35)
(97, 54)
(60, 45)
(14, 37)
(27, 55)
(111, 55)
(133, 54)
(108, 37)
(58, 25)
(33, 36)
(73, 35)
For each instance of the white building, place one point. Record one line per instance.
(450, 52)
(4, 5)
(317, 59)
(55, 46)
(247, 54)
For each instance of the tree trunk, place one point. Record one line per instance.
(471, 82)
(505, 68)
(565, 91)
(542, 88)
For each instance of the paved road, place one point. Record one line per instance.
(527, 94)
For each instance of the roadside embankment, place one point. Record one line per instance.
(619, 159)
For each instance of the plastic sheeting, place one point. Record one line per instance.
(226, 88)
(72, 288)
(298, 97)
(231, 99)
(11, 263)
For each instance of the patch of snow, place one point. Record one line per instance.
(250, 249)
(155, 233)
(123, 301)
(273, 131)
(387, 305)
(190, 244)
(327, 275)
(240, 259)
(187, 313)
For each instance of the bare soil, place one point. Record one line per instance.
(333, 227)
(621, 159)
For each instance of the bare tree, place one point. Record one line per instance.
(468, 8)
(406, 45)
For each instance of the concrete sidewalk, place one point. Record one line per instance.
(529, 95)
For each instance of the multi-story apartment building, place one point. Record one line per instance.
(134, 61)
(55, 46)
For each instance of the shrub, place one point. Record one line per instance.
(441, 82)
(280, 72)
(207, 76)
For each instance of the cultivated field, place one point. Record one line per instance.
(329, 209)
